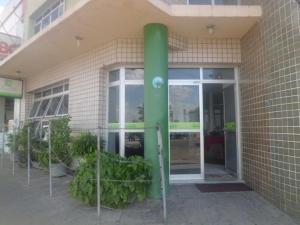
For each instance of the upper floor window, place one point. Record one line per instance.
(213, 2)
(49, 15)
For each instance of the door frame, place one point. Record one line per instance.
(199, 178)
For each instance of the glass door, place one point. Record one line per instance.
(185, 130)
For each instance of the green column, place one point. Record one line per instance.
(156, 99)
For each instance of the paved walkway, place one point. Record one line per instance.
(20, 205)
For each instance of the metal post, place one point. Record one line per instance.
(2, 151)
(50, 160)
(162, 172)
(28, 156)
(13, 153)
(98, 173)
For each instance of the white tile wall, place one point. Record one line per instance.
(87, 76)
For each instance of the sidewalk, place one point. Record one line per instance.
(21, 205)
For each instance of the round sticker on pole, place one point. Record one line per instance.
(158, 82)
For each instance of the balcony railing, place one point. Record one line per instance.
(213, 2)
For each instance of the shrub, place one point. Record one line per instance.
(83, 145)
(113, 169)
(18, 142)
(60, 143)
(60, 140)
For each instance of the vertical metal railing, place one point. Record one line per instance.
(28, 154)
(98, 173)
(162, 172)
(2, 148)
(50, 158)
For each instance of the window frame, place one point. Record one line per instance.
(122, 83)
(58, 5)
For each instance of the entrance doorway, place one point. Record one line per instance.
(203, 124)
(220, 149)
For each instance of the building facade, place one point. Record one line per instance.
(220, 77)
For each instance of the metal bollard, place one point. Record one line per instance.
(28, 155)
(50, 160)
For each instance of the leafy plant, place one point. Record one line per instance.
(83, 145)
(60, 143)
(123, 180)
(60, 140)
(18, 142)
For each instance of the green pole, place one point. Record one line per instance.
(156, 100)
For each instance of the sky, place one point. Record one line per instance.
(2, 4)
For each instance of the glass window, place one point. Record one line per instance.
(47, 93)
(134, 144)
(185, 153)
(113, 143)
(226, 2)
(37, 95)
(53, 106)
(184, 107)
(218, 74)
(49, 15)
(43, 108)
(54, 14)
(182, 74)
(114, 76)
(134, 74)
(34, 109)
(134, 103)
(64, 107)
(113, 108)
(200, 2)
(45, 21)
(37, 28)
(58, 89)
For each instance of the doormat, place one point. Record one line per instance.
(223, 187)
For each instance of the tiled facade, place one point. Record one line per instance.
(87, 73)
(242, 2)
(269, 55)
(270, 108)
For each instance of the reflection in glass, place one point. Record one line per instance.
(64, 107)
(226, 2)
(134, 144)
(58, 89)
(218, 74)
(200, 2)
(134, 103)
(113, 116)
(113, 143)
(34, 109)
(114, 75)
(53, 106)
(134, 74)
(43, 107)
(185, 153)
(184, 103)
(184, 74)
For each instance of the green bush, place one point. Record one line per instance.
(60, 142)
(83, 145)
(113, 169)
(18, 142)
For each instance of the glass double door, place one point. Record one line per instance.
(202, 127)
